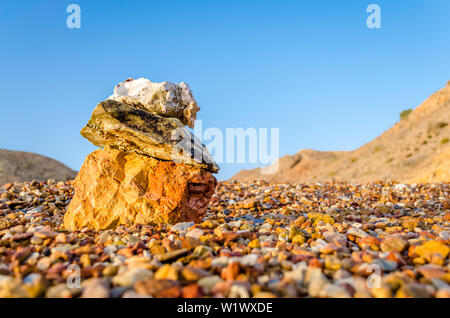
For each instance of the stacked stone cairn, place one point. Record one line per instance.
(150, 169)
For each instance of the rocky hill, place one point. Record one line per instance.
(25, 166)
(415, 149)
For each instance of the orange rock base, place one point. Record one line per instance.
(117, 188)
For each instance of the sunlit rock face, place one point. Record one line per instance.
(116, 188)
(164, 99)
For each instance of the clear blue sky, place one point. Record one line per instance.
(311, 68)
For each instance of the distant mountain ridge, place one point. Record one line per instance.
(415, 149)
(26, 166)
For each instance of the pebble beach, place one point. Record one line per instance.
(258, 239)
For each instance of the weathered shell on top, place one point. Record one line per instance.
(165, 99)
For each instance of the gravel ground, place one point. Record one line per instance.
(257, 240)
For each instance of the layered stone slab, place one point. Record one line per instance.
(130, 129)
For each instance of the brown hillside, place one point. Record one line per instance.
(415, 149)
(25, 166)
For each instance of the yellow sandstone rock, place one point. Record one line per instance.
(117, 188)
(166, 272)
(428, 249)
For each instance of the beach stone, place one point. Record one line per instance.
(230, 271)
(393, 243)
(444, 292)
(238, 291)
(171, 255)
(383, 291)
(131, 276)
(414, 290)
(193, 274)
(431, 271)
(44, 263)
(298, 275)
(385, 264)
(158, 288)
(182, 226)
(248, 203)
(129, 129)
(263, 294)
(316, 280)
(332, 262)
(316, 217)
(95, 288)
(60, 291)
(117, 188)
(429, 248)
(133, 294)
(334, 291)
(195, 233)
(357, 232)
(207, 283)
(192, 291)
(165, 99)
(334, 237)
(11, 287)
(166, 272)
(34, 285)
(445, 235)
(110, 270)
(254, 243)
